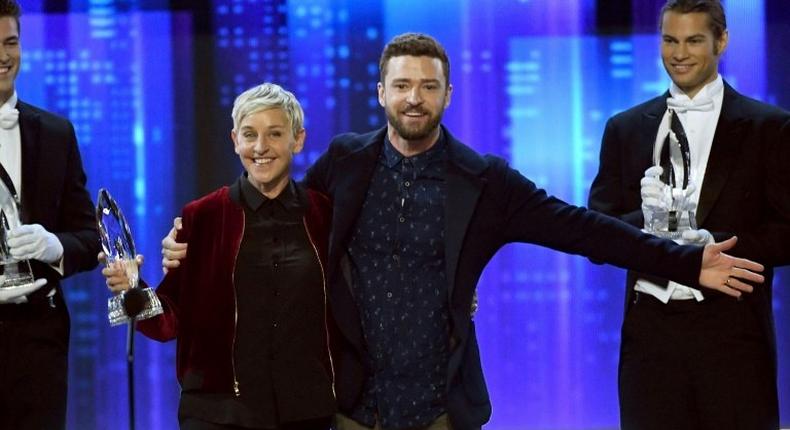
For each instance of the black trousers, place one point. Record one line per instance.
(34, 342)
(690, 365)
(314, 424)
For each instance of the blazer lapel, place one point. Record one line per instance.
(727, 145)
(29, 127)
(464, 187)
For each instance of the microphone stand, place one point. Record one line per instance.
(130, 368)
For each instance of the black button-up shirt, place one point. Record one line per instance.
(400, 285)
(275, 267)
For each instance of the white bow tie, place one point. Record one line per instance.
(701, 105)
(8, 118)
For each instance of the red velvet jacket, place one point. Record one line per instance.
(199, 299)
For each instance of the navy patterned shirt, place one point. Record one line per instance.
(400, 285)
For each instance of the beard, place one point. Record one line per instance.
(414, 132)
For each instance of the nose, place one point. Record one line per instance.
(414, 97)
(259, 146)
(680, 52)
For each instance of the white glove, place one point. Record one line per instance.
(681, 199)
(34, 242)
(700, 237)
(657, 196)
(17, 294)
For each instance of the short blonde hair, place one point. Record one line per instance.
(268, 96)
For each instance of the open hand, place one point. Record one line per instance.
(727, 274)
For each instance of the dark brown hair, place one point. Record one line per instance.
(11, 8)
(414, 44)
(717, 21)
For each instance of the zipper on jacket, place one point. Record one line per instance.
(236, 390)
(326, 310)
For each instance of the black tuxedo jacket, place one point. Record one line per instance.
(745, 191)
(488, 204)
(54, 194)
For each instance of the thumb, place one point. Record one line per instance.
(654, 172)
(726, 244)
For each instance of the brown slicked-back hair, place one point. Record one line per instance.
(717, 21)
(11, 8)
(417, 45)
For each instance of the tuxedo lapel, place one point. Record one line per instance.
(29, 127)
(648, 130)
(727, 145)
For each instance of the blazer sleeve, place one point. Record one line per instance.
(530, 215)
(767, 241)
(76, 221)
(606, 192)
(318, 175)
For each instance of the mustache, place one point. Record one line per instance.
(414, 110)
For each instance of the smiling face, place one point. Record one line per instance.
(10, 56)
(414, 95)
(265, 143)
(690, 51)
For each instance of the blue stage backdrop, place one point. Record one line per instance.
(149, 86)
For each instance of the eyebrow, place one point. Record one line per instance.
(693, 36)
(246, 127)
(431, 80)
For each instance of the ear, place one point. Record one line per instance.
(722, 43)
(299, 141)
(235, 140)
(448, 95)
(380, 88)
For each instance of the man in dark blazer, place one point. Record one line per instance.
(417, 215)
(42, 168)
(699, 359)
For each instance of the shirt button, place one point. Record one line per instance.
(407, 183)
(389, 295)
(402, 219)
(274, 325)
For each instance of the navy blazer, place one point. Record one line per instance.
(54, 193)
(745, 192)
(488, 205)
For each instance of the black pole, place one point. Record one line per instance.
(130, 369)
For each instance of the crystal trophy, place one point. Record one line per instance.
(16, 276)
(675, 159)
(136, 303)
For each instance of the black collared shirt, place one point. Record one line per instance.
(400, 285)
(276, 270)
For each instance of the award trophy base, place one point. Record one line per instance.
(16, 279)
(133, 305)
(671, 224)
